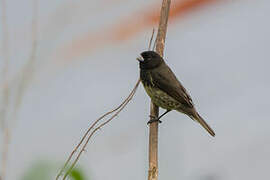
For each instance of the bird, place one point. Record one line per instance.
(165, 90)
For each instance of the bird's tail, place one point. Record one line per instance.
(200, 120)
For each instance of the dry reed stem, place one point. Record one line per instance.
(25, 75)
(28, 68)
(5, 94)
(5, 52)
(154, 111)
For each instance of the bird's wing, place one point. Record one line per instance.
(164, 79)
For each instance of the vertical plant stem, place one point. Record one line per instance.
(5, 92)
(5, 153)
(5, 64)
(162, 29)
(154, 111)
(153, 144)
(28, 69)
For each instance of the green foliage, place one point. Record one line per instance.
(77, 174)
(40, 170)
(45, 170)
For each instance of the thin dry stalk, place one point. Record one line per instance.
(116, 110)
(5, 41)
(127, 100)
(25, 74)
(5, 52)
(5, 94)
(5, 153)
(154, 111)
(28, 69)
(150, 42)
(84, 136)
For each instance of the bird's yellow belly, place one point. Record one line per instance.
(161, 99)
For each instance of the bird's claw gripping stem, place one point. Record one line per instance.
(153, 119)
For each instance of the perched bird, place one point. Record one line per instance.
(164, 89)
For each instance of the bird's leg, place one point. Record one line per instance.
(163, 114)
(154, 119)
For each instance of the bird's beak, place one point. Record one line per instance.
(140, 58)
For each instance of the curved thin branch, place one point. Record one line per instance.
(116, 110)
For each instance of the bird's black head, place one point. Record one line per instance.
(150, 60)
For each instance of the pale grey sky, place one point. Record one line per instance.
(220, 54)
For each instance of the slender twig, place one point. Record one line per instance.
(154, 46)
(25, 74)
(5, 52)
(83, 138)
(85, 135)
(4, 42)
(28, 68)
(154, 111)
(101, 125)
(5, 152)
(116, 110)
(150, 42)
(5, 94)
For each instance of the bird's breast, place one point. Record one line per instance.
(160, 98)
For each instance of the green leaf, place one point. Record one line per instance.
(77, 174)
(45, 170)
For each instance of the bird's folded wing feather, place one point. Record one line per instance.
(165, 80)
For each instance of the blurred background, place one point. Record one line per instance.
(64, 63)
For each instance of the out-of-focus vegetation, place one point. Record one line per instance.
(45, 170)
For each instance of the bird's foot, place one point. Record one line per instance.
(153, 119)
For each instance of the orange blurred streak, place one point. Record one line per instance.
(128, 28)
(180, 7)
